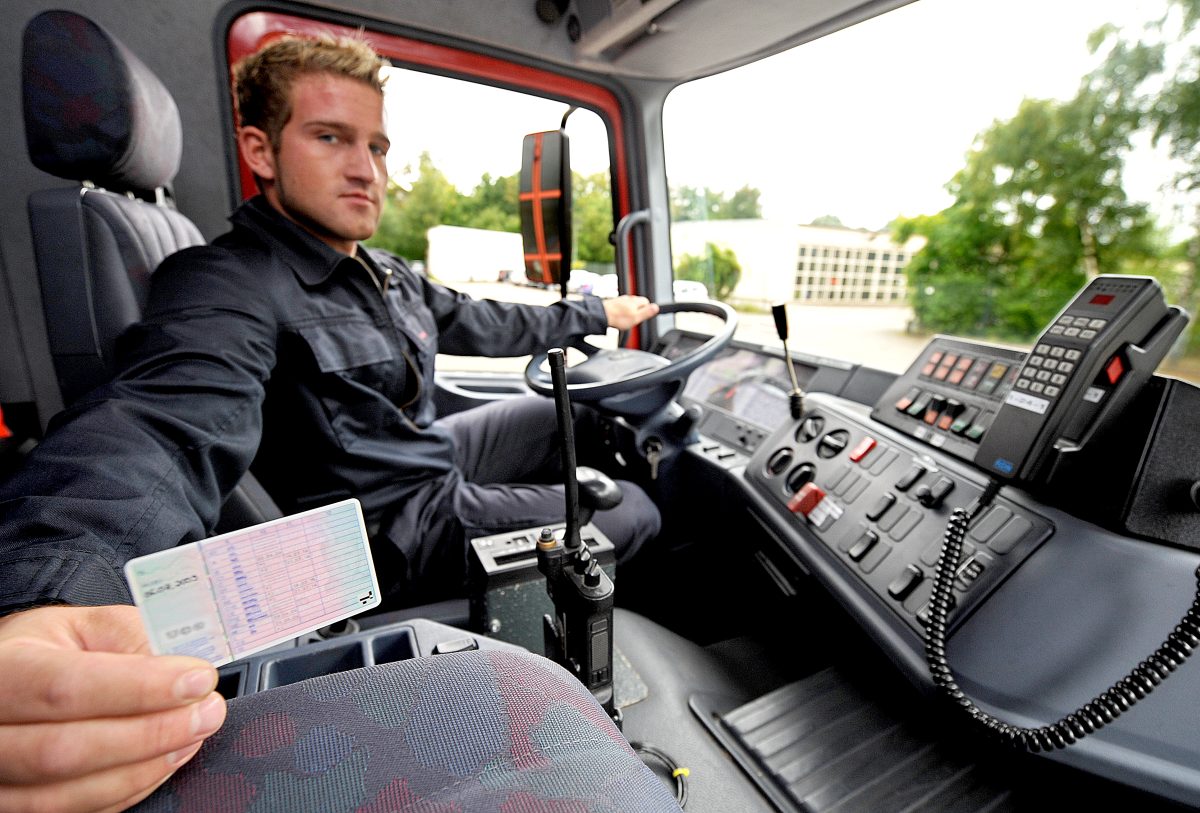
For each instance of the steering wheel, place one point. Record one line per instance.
(634, 382)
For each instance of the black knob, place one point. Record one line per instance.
(924, 496)
(597, 490)
(781, 321)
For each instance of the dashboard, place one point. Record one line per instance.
(1062, 587)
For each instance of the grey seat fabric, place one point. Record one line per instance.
(485, 731)
(95, 252)
(96, 115)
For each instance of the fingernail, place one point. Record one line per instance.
(208, 715)
(194, 684)
(183, 754)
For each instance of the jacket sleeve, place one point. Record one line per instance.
(144, 462)
(485, 327)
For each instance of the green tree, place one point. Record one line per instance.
(492, 205)
(410, 213)
(743, 205)
(718, 269)
(827, 220)
(690, 203)
(592, 202)
(1038, 208)
(1154, 79)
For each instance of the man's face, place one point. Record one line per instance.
(328, 172)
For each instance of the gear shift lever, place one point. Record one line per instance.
(796, 396)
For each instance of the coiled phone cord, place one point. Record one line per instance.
(1093, 716)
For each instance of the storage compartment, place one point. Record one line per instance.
(311, 663)
(230, 680)
(393, 646)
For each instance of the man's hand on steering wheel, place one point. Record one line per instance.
(625, 311)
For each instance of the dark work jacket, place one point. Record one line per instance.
(265, 342)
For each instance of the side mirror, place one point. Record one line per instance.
(545, 198)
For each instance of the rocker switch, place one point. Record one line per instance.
(905, 583)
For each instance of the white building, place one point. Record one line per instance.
(782, 262)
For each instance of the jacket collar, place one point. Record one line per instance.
(310, 259)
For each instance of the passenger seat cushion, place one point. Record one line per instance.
(490, 730)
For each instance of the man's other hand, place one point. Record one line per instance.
(89, 720)
(624, 312)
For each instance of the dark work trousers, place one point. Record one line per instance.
(508, 477)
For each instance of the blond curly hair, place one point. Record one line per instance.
(262, 81)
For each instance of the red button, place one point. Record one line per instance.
(860, 451)
(806, 499)
(1114, 370)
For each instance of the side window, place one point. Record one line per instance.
(452, 203)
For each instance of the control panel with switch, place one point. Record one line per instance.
(879, 502)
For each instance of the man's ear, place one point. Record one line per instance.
(257, 152)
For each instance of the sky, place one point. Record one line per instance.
(865, 124)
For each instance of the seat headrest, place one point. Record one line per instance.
(93, 111)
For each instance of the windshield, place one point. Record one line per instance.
(910, 176)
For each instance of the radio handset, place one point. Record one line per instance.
(1084, 369)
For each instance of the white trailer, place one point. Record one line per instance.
(460, 254)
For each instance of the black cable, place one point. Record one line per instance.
(1087, 719)
(678, 773)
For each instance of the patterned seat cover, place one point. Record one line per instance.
(478, 731)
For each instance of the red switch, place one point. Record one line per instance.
(806, 499)
(1114, 370)
(811, 503)
(861, 450)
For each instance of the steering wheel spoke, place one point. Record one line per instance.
(624, 372)
(584, 346)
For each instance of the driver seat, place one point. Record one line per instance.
(96, 115)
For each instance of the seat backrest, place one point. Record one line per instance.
(95, 114)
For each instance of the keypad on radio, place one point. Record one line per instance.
(1050, 365)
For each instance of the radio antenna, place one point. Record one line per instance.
(566, 442)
